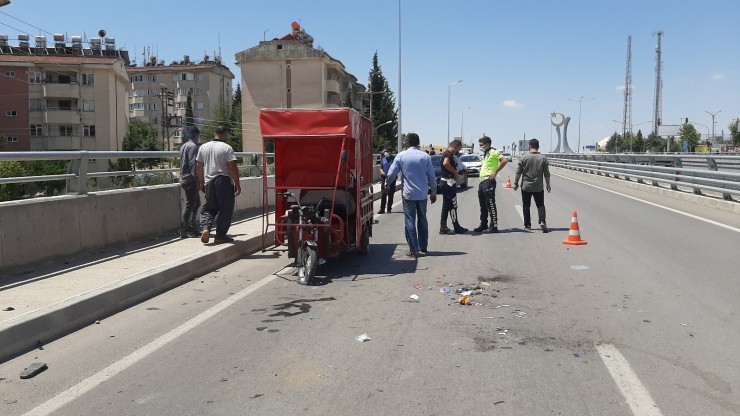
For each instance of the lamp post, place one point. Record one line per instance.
(713, 122)
(462, 123)
(448, 108)
(384, 124)
(580, 101)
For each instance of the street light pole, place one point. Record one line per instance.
(448, 108)
(713, 122)
(462, 123)
(580, 101)
(400, 142)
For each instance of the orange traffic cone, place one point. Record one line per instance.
(508, 183)
(574, 235)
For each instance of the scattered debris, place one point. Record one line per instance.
(498, 402)
(519, 314)
(414, 297)
(445, 290)
(575, 354)
(8, 309)
(363, 338)
(97, 322)
(579, 267)
(33, 370)
(311, 318)
(417, 287)
(463, 300)
(684, 325)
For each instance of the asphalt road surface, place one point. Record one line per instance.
(641, 321)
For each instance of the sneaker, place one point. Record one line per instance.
(446, 231)
(460, 230)
(423, 251)
(491, 230)
(527, 227)
(480, 228)
(205, 236)
(221, 239)
(544, 227)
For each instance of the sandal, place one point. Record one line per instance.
(411, 254)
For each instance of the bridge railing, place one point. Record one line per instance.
(79, 171)
(651, 169)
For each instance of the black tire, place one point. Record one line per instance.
(465, 184)
(308, 260)
(365, 241)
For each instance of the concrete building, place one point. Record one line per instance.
(208, 82)
(291, 73)
(62, 96)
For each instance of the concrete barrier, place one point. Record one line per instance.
(39, 230)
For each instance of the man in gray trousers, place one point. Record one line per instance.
(533, 167)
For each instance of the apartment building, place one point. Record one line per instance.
(158, 94)
(62, 96)
(291, 73)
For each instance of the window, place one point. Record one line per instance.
(181, 105)
(198, 105)
(185, 77)
(88, 79)
(88, 105)
(199, 91)
(199, 120)
(136, 107)
(11, 113)
(178, 133)
(35, 77)
(35, 104)
(12, 139)
(10, 74)
(65, 105)
(66, 130)
(199, 77)
(37, 130)
(89, 131)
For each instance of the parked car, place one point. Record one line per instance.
(472, 164)
(508, 156)
(462, 178)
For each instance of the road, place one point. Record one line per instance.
(641, 321)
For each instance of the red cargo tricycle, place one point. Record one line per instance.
(322, 184)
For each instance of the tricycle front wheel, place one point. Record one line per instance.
(307, 261)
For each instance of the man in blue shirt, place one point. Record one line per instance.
(386, 199)
(418, 179)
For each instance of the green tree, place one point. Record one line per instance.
(638, 142)
(189, 111)
(223, 116)
(654, 143)
(384, 107)
(141, 136)
(615, 143)
(236, 104)
(688, 133)
(44, 168)
(735, 132)
(11, 191)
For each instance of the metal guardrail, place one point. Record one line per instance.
(79, 172)
(726, 182)
(710, 161)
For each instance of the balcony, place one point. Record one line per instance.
(56, 143)
(61, 90)
(333, 86)
(56, 115)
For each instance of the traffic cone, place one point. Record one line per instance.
(508, 183)
(574, 235)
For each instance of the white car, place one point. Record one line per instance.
(508, 156)
(472, 164)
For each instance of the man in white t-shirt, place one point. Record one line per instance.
(218, 178)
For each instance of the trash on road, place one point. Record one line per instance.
(8, 309)
(463, 300)
(363, 338)
(519, 314)
(414, 297)
(445, 290)
(311, 318)
(33, 370)
(418, 287)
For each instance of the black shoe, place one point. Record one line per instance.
(491, 230)
(527, 227)
(544, 227)
(480, 228)
(381, 212)
(424, 251)
(460, 230)
(184, 234)
(446, 231)
(388, 211)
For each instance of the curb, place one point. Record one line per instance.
(44, 326)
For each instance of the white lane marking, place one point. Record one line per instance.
(107, 373)
(696, 217)
(519, 211)
(637, 396)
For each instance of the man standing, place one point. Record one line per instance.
(533, 167)
(388, 188)
(449, 190)
(418, 179)
(189, 183)
(491, 165)
(218, 177)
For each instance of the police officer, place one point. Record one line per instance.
(448, 185)
(491, 165)
(388, 189)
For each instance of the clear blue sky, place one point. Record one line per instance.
(519, 60)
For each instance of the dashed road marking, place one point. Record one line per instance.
(635, 393)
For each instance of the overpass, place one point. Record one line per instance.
(658, 257)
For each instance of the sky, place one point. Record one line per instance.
(519, 61)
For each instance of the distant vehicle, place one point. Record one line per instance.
(462, 180)
(472, 164)
(466, 150)
(508, 156)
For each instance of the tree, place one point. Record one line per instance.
(735, 132)
(44, 168)
(189, 119)
(654, 143)
(688, 133)
(141, 136)
(11, 191)
(384, 107)
(638, 142)
(236, 104)
(223, 116)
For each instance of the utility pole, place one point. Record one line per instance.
(166, 98)
(658, 102)
(627, 117)
(713, 122)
